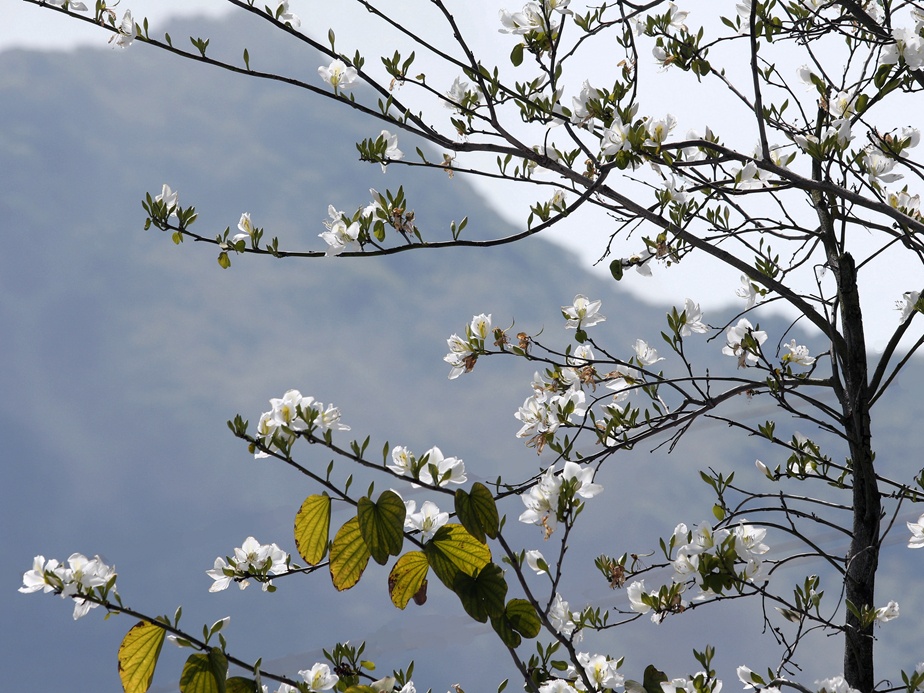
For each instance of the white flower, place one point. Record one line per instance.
(798, 354)
(319, 678)
(917, 533)
(836, 684)
(579, 113)
(561, 618)
(338, 75)
(402, 461)
(659, 129)
(749, 541)
(582, 313)
(887, 613)
(392, 153)
(615, 138)
(909, 304)
(646, 355)
(168, 197)
(340, 236)
(481, 326)
(533, 558)
(126, 34)
(582, 478)
(542, 501)
(602, 672)
(634, 592)
(427, 521)
(72, 5)
(735, 337)
(460, 92)
(748, 290)
(878, 166)
(908, 45)
(449, 470)
(693, 319)
(460, 356)
(523, 22)
(286, 17)
(557, 686)
(221, 578)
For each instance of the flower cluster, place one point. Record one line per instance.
(79, 578)
(464, 351)
(555, 496)
(290, 416)
(251, 560)
(432, 468)
(709, 557)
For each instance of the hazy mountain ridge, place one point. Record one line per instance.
(126, 354)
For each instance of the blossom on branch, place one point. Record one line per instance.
(743, 342)
(582, 313)
(917, 533)
(251, 560)
(338, 75)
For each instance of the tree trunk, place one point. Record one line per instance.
(863, 556)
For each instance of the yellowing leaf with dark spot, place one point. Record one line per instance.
(483, 595)
(348, 555)
(453, 550)
(407, 577)
(382, 525)
(205, 673)
(312, 528)
(138, 655)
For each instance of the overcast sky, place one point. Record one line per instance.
(26, 25)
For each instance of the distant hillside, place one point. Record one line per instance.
(125, 355)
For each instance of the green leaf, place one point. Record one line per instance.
(483, 595)
(407, 577)
(312, 528)
(453, 550)
(205, 673)
(138, 655)
(477, 512)
(519, 617)
(348, 555)
(616, 269)
(507, 635)
(360, 689)
(382, 525)
(223, 259)
(652, 679)
(523, 618)
(239, 684)
(516, 55)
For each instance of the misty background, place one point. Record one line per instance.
(125, 355)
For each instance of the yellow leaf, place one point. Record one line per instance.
(348, 555)
(312, 527)
(407, 577)
(453, 549)
(138, 655)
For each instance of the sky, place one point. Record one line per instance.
(585, 234)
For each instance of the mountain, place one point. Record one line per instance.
(125, 355)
